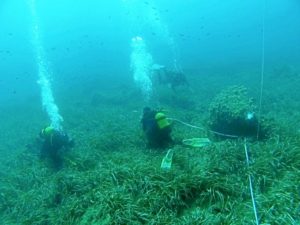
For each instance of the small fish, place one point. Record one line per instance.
(249, 116)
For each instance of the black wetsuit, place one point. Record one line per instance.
(157, 138)
(172, 78)
(53, 145)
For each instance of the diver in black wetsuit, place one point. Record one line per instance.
(53, 142)
(156, 128)
(171, 78)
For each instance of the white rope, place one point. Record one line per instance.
(259, 109)
(201, 128)
(250, 185)
(262, 68)
(247, 161)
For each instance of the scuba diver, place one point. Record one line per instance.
(53, 142)
(176, 79)
(173, 79)
(156, 128)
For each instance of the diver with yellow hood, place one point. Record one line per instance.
(53, 143)
(157, 128)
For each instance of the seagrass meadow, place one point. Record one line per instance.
(89, 87)
(111, 177)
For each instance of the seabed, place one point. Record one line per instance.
(110, 177)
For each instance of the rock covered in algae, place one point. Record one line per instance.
(233, 112)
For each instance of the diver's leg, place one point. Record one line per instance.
(57, 159)
(44, 152)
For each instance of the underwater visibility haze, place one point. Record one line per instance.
(150, 112)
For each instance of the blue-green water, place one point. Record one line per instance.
(84, 39)
(93, 63)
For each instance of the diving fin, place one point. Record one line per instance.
(196, 142)
(167, 160)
